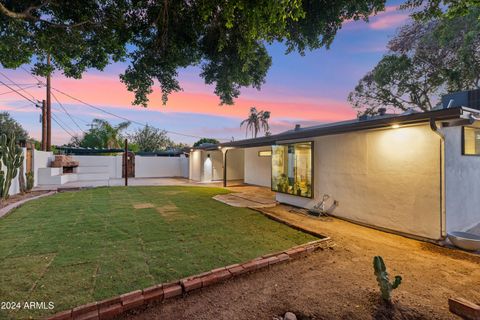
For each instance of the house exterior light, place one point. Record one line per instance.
(395, 126)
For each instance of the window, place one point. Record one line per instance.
(292, 169)
(471, 141)
(265, 153)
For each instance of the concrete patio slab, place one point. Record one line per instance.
(249, 197)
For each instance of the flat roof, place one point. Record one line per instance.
(353, 125)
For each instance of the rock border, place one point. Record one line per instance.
(6, 210)
(113, 307)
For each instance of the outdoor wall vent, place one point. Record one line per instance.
(470, 99)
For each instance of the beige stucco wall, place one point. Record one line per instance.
(196, 165)
(217, 165)
(387, 178)
(258, 169)
(235, 164)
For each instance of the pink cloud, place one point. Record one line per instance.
(108, 92)
(391, 17)
(389, 21)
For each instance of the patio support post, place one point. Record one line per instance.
(225, 168)
(125, 162)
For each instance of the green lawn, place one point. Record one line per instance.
(78, 247)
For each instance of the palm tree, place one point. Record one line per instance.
(104, 135)
(111, 135)
(256, 121)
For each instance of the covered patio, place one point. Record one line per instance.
(238, 164)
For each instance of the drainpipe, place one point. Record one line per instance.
(443, 213)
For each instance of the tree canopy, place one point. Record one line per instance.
(205, 140)
(441, 8)
(226, 39)
(8, 125)
(149, 139)
(102, 135)
(425, 59)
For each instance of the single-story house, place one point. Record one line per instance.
(416, 174)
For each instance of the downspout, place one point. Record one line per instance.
(443, 213)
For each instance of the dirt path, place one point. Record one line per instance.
(338, 283)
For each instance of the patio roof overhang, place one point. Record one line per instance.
(441, 115)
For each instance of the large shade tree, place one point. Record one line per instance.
(226, 39)
(441, 8)
(149, 139)
(426, 59)
(10, 126)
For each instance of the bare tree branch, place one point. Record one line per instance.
(27, 15)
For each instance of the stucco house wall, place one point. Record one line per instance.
(235, 164)
(196, 165)
(462, 180)
(258, 170)
(217, 165)
(388, 178)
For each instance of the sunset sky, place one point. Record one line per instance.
(308, 90)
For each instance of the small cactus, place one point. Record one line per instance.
(12, 158)
(30, 181)
(380, 271)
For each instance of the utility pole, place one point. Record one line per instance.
(44, 125)
(49, 109)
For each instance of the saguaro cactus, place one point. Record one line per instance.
(381, 273)
(12, 158)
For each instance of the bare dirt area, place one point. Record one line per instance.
(20, 197)
(338, 283)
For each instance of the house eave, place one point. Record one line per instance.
(402, 120)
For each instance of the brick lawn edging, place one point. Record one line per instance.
(110, 308)
(464, 308)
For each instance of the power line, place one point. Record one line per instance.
(64, 123)
(66, 111)
(10, 91)
(23, 89)
(123, 118)
(113, 114)
(53, 118)
(19, 93)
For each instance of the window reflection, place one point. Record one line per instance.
(471, 141)
(292, 169)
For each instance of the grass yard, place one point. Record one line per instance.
(77, 247)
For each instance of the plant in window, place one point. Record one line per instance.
(298, 188)
(283, 185)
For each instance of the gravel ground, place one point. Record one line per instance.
(338, 283)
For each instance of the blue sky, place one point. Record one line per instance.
(299, 89)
